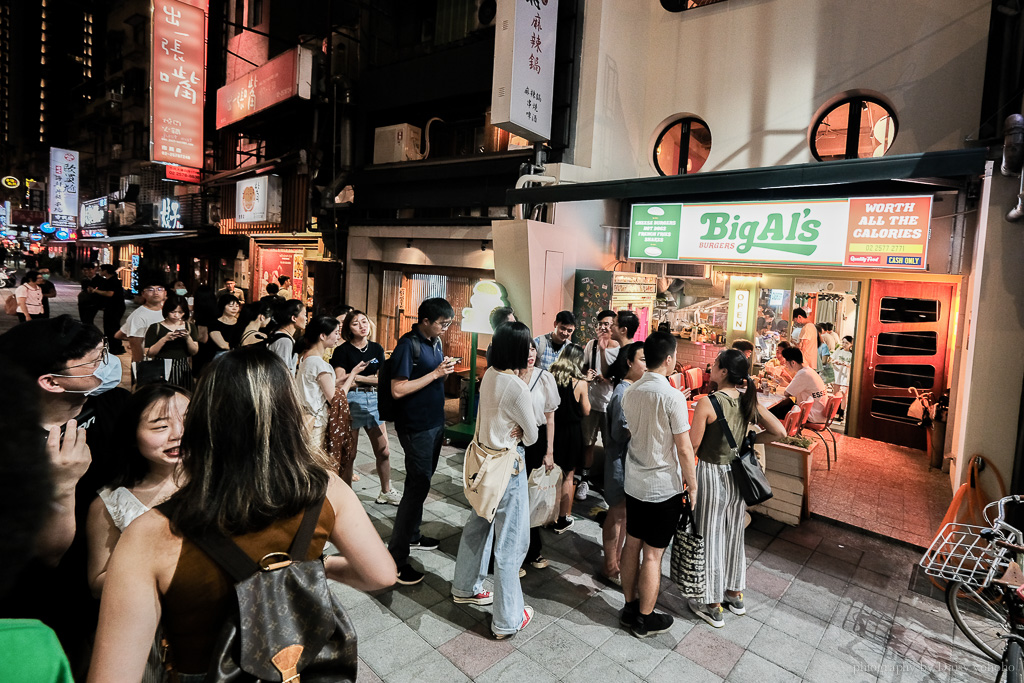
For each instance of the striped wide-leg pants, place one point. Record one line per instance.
(719, 517)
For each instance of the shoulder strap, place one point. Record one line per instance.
(721, 418)
(537, 379)
(304, 536)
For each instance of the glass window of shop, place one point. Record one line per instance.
(682, 147)
(853, 128)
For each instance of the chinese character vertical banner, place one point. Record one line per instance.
(63, 188)
(178, 83)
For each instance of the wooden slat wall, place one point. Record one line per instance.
(294, 195)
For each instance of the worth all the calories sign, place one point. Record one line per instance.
(179, 67)
(860, 232)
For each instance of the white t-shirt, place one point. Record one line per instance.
(33, 299)
(313, 399)
(809, 345)
(544, 392)
(140, 320)
(505, 403)
(655, 412)
(808, 384)
(600, 392)
(842, 360)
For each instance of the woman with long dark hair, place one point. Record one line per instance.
(720, 509)
(505, 417)
(249, 473)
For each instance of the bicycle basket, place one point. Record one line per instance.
(959, 553)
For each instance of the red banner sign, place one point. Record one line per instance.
(276, 81)
(179, 72)
(183, 173)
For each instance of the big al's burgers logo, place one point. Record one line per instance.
(795, 233)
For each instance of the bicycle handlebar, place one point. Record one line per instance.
(1001, 503)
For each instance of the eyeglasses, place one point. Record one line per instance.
(104, 355)
(154, 289)
(446, 324)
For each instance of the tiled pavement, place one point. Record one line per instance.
(824, 604)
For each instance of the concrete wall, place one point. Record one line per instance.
(757, 71)
(992, 362)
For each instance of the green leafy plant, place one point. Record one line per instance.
(799, 441)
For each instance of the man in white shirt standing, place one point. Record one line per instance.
(806, 384)
(659, 462)
(807, 338)
(598, 354)
(154, 293)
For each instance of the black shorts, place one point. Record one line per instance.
(653, 523)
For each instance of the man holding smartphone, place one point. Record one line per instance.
(418, 387)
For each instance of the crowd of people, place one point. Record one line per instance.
(256, 418)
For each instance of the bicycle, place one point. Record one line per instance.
(986, 609)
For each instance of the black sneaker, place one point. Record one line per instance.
(650, 624)
(629, 613)
(407, 576)
(425, 543)
(563, 524)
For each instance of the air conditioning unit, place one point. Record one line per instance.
(678, 271)
(396, 143)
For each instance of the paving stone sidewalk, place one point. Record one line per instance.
(823, 604)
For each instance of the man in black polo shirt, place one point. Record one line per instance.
(418, 386)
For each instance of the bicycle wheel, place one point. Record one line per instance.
(980, 614)
(1014, 663)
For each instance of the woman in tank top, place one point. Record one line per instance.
(719, 509)
(249, 473)
(573, 406)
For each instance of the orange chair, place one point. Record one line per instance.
(805, 410)
(831, 410)
(694, 379)
(676, 380)
(792, 421)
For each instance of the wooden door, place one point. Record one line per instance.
(907, 333)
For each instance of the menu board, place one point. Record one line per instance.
(859, 232)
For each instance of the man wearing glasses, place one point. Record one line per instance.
(419, 370)
(154, 293)
(76, 379)
(599, 353)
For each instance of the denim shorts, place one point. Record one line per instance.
(363, 406)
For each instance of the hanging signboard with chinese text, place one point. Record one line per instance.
(524, 67)
(860, 232)
(63, 188)
(169, 217)
(258, 200)
(283, 77)
(94, 213)
(183, 174)
(178, 83)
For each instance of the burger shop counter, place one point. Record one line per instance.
(697, 354)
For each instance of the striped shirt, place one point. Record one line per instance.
(655, 412)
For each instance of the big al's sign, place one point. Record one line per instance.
(179, 83)
(861, 232)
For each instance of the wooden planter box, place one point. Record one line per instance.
(788, 469)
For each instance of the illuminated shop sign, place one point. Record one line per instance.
(179, 83)
(283, 77)
(94, 214)
(63, 188)
(183, 174)
(860, 232)
(10, 182)
(170, 214)
(258, 200)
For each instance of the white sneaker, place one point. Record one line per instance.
(582, 491)
(392, 497)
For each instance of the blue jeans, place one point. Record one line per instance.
(509, 533)
(422, 450)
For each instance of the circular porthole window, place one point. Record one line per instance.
(853, 128)
(682, 146)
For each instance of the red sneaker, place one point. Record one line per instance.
(527, 618)
(481, 598)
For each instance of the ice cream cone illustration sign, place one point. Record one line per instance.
(487, 295)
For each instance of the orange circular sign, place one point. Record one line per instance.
(11, 182)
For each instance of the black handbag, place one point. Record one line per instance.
(151, 371)
(288, 622)
(746, 470)
(687, 569)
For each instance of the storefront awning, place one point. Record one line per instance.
(885, 175)
(139, 238)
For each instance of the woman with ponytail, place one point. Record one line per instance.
(720, 510)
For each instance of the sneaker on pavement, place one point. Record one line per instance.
(407, 576)
(650, 624)
(611, 581)
(539, 563)
(527, 618)
(582, 491)
(715, 616)
(563, 524)
(481, 598)
(735, 603)
(392, 497)
(629, 613)
(425, 543)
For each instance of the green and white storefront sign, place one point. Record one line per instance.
(654, 231)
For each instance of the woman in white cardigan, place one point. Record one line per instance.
(506, 417)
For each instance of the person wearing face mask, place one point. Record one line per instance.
(79, 404)
(179, 288)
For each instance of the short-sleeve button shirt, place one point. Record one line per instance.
(423, 409)
(655, 413)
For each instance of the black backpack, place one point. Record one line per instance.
(288, 622)
(387, 404)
